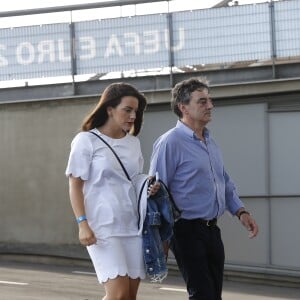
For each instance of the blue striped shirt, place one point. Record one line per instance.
(194, 172)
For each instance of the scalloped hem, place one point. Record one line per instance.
(77, 174)
(114, 276)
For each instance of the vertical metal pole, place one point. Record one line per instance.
(268, 183)
(73, 54)
(171, 52)
(273, 38)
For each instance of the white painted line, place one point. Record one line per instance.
(172, 289)
(83, 273)
(13, 283)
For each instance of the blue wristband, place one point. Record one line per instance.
(81, 218)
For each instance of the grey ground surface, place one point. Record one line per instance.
(32, 281)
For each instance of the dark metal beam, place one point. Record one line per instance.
(228, 83)
(45, 10)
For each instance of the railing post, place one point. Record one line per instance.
(273, 38)
(171, 52)
(73, 54)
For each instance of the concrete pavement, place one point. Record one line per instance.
(33, 281)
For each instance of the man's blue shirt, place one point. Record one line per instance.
(194, 172)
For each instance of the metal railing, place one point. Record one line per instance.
(168, 43)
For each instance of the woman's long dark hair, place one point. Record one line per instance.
(111, 97)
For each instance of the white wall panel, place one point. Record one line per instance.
(240, 131)
(285, 232)
(239, 249)
(285, 153)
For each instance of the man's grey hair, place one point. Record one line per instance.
(181, 93)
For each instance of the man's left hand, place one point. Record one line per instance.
(248, 221)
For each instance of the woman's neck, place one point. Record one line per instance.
(115, 133)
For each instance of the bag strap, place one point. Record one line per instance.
(113, 151)
(175, 210)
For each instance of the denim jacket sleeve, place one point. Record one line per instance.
(157, 227)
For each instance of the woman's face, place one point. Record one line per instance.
(124, 114)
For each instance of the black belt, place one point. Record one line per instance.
(209, 223)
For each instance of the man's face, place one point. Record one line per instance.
(199, 109)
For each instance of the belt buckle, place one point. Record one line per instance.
(210, 223)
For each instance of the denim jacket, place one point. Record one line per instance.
(156, 225)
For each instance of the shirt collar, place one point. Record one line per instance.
(188, 131)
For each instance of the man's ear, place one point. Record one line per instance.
(182, 108)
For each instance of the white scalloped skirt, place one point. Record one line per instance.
(118, 256)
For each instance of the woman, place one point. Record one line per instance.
(104, 201)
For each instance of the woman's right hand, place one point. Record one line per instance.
(86, 235)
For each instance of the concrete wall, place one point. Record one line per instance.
(260, 150)
(35, 141)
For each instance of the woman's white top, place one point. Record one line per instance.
(109, 197)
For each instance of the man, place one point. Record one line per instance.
(190, 163)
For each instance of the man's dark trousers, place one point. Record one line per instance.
(199, 252)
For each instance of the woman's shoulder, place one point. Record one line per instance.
(82, 137)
